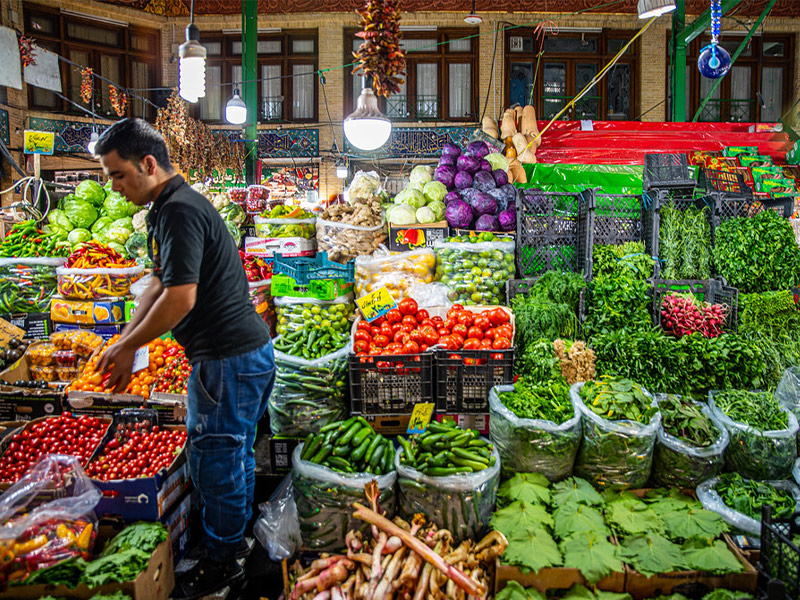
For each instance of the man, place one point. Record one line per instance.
(199, 291)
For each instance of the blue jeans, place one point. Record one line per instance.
(227, 397)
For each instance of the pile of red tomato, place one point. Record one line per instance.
(408, 329)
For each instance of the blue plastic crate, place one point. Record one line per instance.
(304, 270)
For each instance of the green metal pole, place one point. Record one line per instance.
(736, 54)
(249, 89)
(678, 64)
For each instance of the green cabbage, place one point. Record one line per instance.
(133, 209)
(115, 206)
(497, 160)
(60, 233)
(401, 214)
(119, 231)
(438, 209)
(101, 224)
(412, 197)
(59, 219)
(233, 213)
(425, 215)
(137, 244)
(234, 231)
(434, 190)
(76, 236)
(421, 174)
(80, 213)
(91, 191)
(126, 222)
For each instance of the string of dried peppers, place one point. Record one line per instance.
(380, 56)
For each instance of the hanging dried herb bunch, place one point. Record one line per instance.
(119, 100)
(27, 55)
(380, 56)
(87, 84)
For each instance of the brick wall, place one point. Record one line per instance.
(651, 75)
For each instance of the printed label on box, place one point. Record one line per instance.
(376, 304)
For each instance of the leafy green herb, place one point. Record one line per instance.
(769, 313)
(532, 551)
(685, 243)
(143, 536)
(581, 592)
(757, 409)
(122, 566)
(520, 516)
(618, 399)
(592, 554)
(748, 496)
(67, 573)
(575, 490)
(758, 254)
(652, 553)
(711, 556)
(514, 591)
(686, 421)
(531, 488)
(548, 401)
(618, 302)
(538, 362)
(625, 259)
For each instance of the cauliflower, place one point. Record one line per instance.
(140, 221)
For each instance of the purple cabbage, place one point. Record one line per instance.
(484, 204)
(445, 174)
(507, 220)
(451, 150)
(483, 181)
(500, 197)
(479, 149)
(487, 223)
(451, 197)
(447, 159)
(458, 214)
(486, 165)
(470, 164)
(512, 206)
(500, 177)
(462, 179)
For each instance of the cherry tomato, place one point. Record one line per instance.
(408, 306)
(475, 333)
(394, 315)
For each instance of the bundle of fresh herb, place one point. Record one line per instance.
(629, 258)
(684, 245)
(617, 302)
(769, 313)
(748, 496)
(618, 399)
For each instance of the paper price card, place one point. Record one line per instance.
(376, 304)
(141, 359)
(420, 417)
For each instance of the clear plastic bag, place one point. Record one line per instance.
(139, 287)
(711, 500)
(754, 454)
(277, 529)
(796, 471)
(310, 328)
(614, 453)
(285, 227)
(461, 504)
(27, 284)
(475, 273)
(788, 391)
(344, 242)
(429, 295)
(364, 185)
(325, 497)
(93, 284)
(264, 303)
(308, 394)
(399, 272)
(532, 445)
(677, 463)
(48, 518)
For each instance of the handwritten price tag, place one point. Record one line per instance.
(420, 417)
(141, 359)
(376, 304)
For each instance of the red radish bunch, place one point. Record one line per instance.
(683, 315)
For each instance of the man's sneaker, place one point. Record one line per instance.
(205, 578)
(243, 549)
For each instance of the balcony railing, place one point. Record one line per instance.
(413, 108)
(739, 110)
(271, 108)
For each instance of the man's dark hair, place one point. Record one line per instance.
(133, 139)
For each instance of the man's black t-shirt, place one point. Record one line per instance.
(189, 243)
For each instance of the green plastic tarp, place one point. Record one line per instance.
(612, 179)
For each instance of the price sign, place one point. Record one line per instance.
(420, 417)
(376, 304)
(39, 142)
(141, 359)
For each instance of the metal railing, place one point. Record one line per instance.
(271, 108)
(739, 110)
(410, 107)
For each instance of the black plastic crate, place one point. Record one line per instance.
(712, 291)
(715, 181)
(667, 170)
(783, 206)
(390, 384)
(779, 562)
(547, 232)
(464, 378)
(611, 219)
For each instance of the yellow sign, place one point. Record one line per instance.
(376, 304)
(420, 417)
(39, 142)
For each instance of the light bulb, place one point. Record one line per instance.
(655, 8)
(92, 142)
(236, 110)
(192, 83)
(366, 127)
(341, 171)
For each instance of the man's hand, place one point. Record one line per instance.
(117, 362)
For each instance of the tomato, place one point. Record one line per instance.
(466, 318)
(379, 321)
(428, 322)
(423, 347)
(505, 331)
(501, 343)
(461, 329)
(410, 321)
(448, 342)
(361, 335)
(386, 330)
(459, 340)
(360, 346)
(444, 331)
(422, 314)
(472, 344)
(498, 316)
(489, 334)
(457, 307)
(497, 357)
(401, 337)
(408, 306)
(437, 319)
(394, 315)
(406, 328)
(411, 347)
(381, 341)
(483, 322)
(375, 330)
(475, 333)
(417, 336)
(394, 346)
(395, 327)
(451, 322)
(430, 334)
(486, 344)
(453, 314)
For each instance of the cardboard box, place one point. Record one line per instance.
(413, 237)
(154, 583)
(268, 247)
(177, 521)
(24, 404)
(87, 312)
(104, 331)
(389, 424)
(101, 404)
(144, 498)
(641, 587)
(478, 422)
(37, 326)
(554, 578)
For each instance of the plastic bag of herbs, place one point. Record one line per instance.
(739, 500)
(620, 424)
(763, 433)
(691, 443)
(535, 428)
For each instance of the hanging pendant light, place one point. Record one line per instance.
(473, 18)
(93, 139)
(655, 8)
(192, 54)
(367, 128)
(236, 110)
(714, 61)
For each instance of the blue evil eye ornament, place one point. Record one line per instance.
(714, 61)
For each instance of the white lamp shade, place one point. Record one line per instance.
(655, 8)
(366, 127)
(192, 84)
(236, 110)
(341, 172)
(92, 142)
